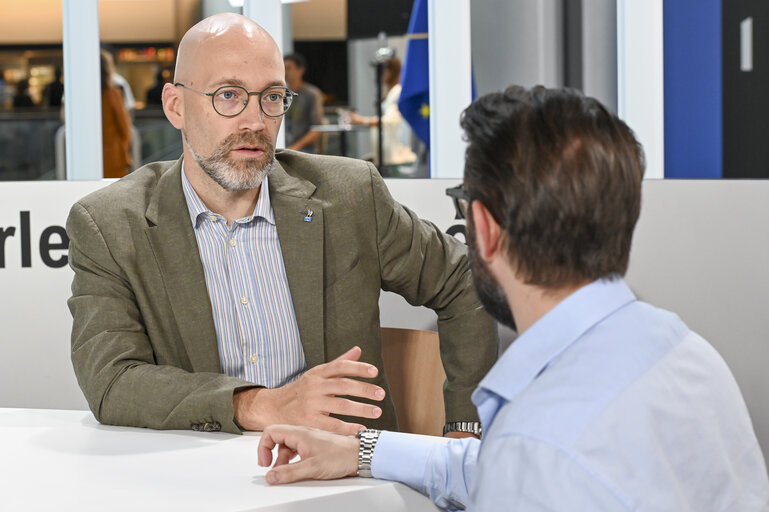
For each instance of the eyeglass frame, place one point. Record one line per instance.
(461, 200)
(289, 94)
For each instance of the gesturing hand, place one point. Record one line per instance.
(325, 456)
(310, 400)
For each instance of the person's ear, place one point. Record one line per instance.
(173, 105)
(487, 232)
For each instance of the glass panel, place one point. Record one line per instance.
(358, 73)
(29, 118)
(140, 71)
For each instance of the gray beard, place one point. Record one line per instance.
(227, 173)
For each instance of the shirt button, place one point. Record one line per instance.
(254, 358)
(244, 300)
(213, 218)
(233, 242)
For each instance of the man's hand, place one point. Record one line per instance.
(324, 456)
(310, 400)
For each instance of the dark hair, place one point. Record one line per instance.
(394, 66)
(561, 175)
(297, 59)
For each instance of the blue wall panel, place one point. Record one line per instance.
(692, 67)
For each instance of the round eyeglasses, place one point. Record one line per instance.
(231, 100)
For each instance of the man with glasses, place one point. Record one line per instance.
(238, 286)
(603, 402)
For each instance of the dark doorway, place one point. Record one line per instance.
(745, 91)
(326, 68)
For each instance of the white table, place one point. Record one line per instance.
(66, 460)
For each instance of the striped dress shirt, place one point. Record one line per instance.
(256, 329)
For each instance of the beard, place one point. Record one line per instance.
(489, 292)
(237, 174)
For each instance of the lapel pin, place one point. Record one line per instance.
(308, 215)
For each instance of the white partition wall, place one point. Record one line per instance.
(701, 249)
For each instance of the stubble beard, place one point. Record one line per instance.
(237, 174)
(489, 292)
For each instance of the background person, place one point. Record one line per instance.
(396, 135)
(22, 98)
(53, 92)
(306, 110)
(129, 101)
(116, 125)
(603, 402)
(155, 93)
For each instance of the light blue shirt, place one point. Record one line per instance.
(256, 329)
(606, 403)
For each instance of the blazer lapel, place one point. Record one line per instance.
(301, 243)
(172, 239)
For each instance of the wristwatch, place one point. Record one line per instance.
(471, 427)
(368, 439)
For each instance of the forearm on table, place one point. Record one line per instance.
(137, 393)
(114, 359)
(115, 365)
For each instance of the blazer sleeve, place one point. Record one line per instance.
(113, 358)
(429, 268)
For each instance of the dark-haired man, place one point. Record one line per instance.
(603, 402)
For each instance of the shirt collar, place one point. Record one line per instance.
(198, 209)
(557, 330)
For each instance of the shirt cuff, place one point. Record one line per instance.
(403, 458)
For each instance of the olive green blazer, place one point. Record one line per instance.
(144, 345)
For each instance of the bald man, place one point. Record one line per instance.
(238, 287)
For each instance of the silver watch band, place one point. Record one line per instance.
(472, 427)
(368, 439)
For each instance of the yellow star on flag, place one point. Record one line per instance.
(425, 110)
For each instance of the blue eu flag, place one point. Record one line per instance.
(414, 102)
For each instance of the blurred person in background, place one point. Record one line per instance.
(54, 91)
(155, 93)
(119, 81)
(5, 96)
(396, 135)
(306, 110)
(22, 99)
(116, 124)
